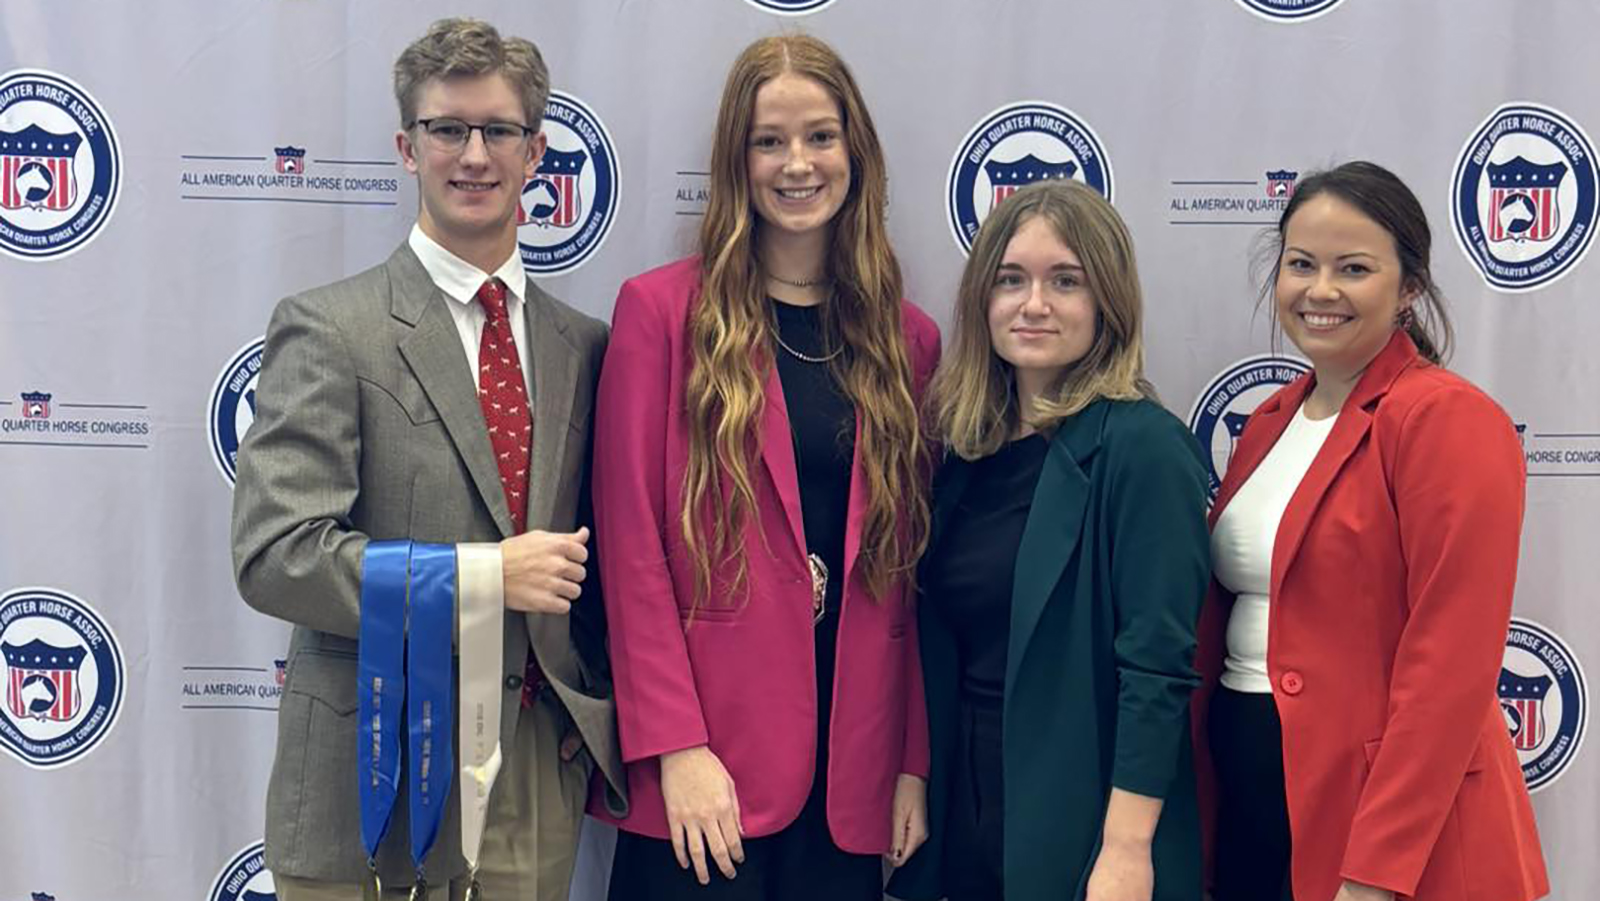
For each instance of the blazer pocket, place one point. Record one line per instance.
(409, 397)
(1474, 764)
(706, 613)
(329, 678)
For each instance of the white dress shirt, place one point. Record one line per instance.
(460, 281)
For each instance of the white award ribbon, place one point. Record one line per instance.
(481, 617)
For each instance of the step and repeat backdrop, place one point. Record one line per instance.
(169, 170)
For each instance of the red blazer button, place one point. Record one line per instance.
(1291, 683)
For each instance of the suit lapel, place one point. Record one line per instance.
(1054, 529)
(777, 454)
(1267, 422)
(1347, 435)
(555, 381)
(433, 351)
(857, 509)
(1355, 421)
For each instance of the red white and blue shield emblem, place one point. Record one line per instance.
(1522, 702)
(1524, 200)
(554, 196)
(1008, 178)
(291, 160)
(35, 405)
(36, 169)
(1280, 183)
(42, 680)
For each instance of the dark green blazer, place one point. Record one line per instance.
(1111, 570)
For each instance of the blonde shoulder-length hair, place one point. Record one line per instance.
(974, 394)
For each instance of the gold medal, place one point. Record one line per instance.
(474, 891)
(419, 890)
(371, 888)
(819, 588)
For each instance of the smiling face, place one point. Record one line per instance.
(798, 166)
(1042, 315)
(469, 195)
(1339, 286)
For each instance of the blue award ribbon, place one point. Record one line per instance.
(380, 671)
(429, 681)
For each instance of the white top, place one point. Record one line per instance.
(460, 281)
(1241, 547)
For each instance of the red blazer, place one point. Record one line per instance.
(1392, 577)
(740, 677)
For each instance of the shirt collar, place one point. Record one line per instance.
(459, 279)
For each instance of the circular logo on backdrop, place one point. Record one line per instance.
(790, 7)
(1289, 10)
(1221, 410)
(60, 166)
(1524, 196)
(1545, 700)
(1015, 146)
(245, 878)
(61, 685)
(233, 406)
(569, 203)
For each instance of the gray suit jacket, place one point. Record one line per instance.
(368, 426)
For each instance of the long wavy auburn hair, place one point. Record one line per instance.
(974, 393)
(731, 350)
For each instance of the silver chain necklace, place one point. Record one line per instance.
(806, 358)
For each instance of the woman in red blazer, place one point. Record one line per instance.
(1364, 543)
(759, 488)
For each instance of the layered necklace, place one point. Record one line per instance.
(778, 336)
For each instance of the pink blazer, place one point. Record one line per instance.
(740, 677)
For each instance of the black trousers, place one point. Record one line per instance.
(975, 844)
(1246, 738)
(798, 863)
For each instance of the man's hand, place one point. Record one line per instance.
(544, 570)
(909, 818)
(702, 811)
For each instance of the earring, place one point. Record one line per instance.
(1405, 317)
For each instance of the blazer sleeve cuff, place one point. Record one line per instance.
(1385, 870)
(692, 737)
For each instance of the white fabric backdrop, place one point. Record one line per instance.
(145, 246)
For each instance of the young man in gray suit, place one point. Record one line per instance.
(439, 397)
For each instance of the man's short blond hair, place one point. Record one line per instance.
(471, 48)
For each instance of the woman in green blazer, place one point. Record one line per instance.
(1062, 581)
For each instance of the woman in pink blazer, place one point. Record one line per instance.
(759, 489)
(1364, 543)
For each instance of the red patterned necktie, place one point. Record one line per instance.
(504, 399)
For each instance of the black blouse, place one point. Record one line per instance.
(968, 577)
(822, 421)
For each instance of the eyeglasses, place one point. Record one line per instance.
(452, 134)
